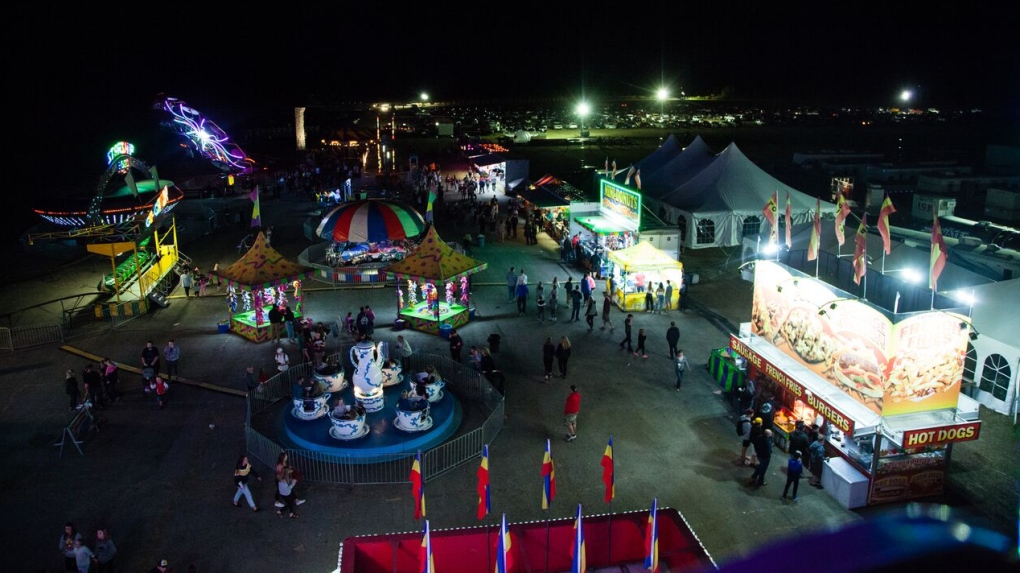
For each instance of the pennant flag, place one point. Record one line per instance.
(256, 213)
(842, 210)
(652, 539)
(432, 199)
(883, 223)
(130, 180)
(607, 166)
(861, 250)
(614, 169)
(637, 179)
(939, 254)
(626, 180)
(418, 487)
(548, 478)
(608, 472)
(484, 504)
(578, 562)
(789, 221)
(816, 233)
(770, 210)
(504, 561)
(425, 557)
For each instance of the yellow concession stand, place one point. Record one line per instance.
(636, 269)
(884, 387)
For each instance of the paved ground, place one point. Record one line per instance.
(161, 480)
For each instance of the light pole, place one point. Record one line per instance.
(582, 110)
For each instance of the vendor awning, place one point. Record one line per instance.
(542, 198)
(643, 256)
(435, 262)
(604, 225)
(487, 159)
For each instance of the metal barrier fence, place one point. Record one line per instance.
(74, 323)
(465, 383)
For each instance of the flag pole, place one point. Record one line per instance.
(609, 540)
(547, 541)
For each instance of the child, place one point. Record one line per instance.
(640, 350)
(540, 303)
(349, 324)
(160, 387)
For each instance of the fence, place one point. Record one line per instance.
(464, 383)
(74, 322)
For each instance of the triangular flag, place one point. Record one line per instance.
(427, 565)
(484, 501)
(578, 562)
(789, 222)
(637, 179)
(418, 487)
(816, 233)
(770, 211)
(626, 180)
(548, 477)
(861, 250)
(939, 255)
(504, 559)
(256, 212)
(608, 472)
(842, 210)
(883, 223)
(652, 539)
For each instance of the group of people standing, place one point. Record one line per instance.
(806, 443)
(98, 386)
(79, 557)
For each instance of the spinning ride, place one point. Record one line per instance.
(434, 265)
(364, 236)
(203, 135)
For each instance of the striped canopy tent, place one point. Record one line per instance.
(262, 267)
(434, 261)
(371, 221)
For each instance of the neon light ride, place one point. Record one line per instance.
(202, 134)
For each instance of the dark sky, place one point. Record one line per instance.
(77, 76)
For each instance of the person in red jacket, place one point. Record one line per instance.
(570, 411)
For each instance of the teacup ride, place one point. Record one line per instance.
(411, 416)
(367, 378)
(433, 390)
(391, 376)
(330, 377)
(348, 428)
(318, 407)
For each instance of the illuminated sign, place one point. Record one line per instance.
(941, 435)
(822, 407)
(621, 201)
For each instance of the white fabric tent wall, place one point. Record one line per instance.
(994, 319)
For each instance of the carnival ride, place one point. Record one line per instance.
(125, 221)
(202, 135)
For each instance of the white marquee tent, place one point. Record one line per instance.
(685, 165)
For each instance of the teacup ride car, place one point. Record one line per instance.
(412, 415)
(433, 390)
(330, 377)
(311, 408)
(391, 375)
(348, 427)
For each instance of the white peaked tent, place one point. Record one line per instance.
(660, 157)
(724, 202)
(995, 352)
(684, 166)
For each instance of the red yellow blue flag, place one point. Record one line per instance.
(418, 487)
(652, 539)
(504, 560)
(425, 556)
(484, 502)
(578, 563)
(609, 472)
(548, 477)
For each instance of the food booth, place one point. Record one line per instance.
(259, 280)
(554, 209)
(885, 386)
(635, 269)
(613, 226)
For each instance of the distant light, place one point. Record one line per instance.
(662, 94)
(583, 109)
(424, 96)
(905, 95)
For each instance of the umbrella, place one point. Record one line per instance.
(371, 221)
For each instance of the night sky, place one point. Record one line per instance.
(80, 77)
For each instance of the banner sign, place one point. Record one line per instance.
(621, 201)
(941, 435)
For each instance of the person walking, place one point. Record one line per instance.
(744, 433)
(590, 313)
(105, 551)
(585, 286)
(563, 355)
(187, 281)
(794, 469)
(456, 345)
(511, 284)
(548, 353)
(628, 324)
(66, 546)
(681, 366)
(640, 350)
(672, 338)
(607, 306)
(172, 355)
(160, 387)
(71, 389)
(763, 449)
(575, 302)
(242, 472)
(540, 304)
(570, 411)
(404, 351)
(683, 295)
(285, 487)
(522, 297)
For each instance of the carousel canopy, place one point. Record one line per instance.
(643, 256)
(371, 221)
(434, 261)
(262, 267)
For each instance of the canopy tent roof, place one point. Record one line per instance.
(434, 261)
(661, 156)
(542, 197)
(486, 159)
(682, 168)
(732, 183)
(262, 267)
(643, 256)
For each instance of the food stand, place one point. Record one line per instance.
(887, 386)
(613, 227)
(256, 282)
(434, 265)
(636, 268)
(554, 209)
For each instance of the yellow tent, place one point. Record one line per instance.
(643, 257)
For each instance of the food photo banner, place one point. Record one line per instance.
(621, 201)
(913, 364)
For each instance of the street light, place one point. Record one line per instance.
(662, 94)
(424, 97)
(582, 110)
